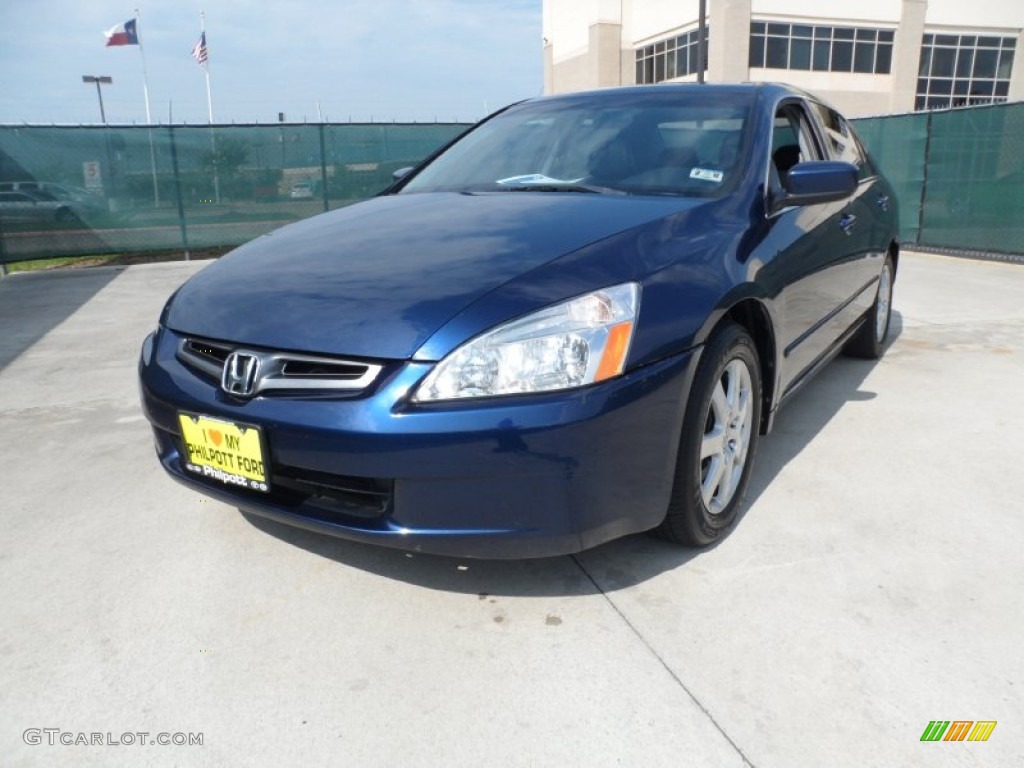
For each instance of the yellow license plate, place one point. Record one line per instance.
(230, 453)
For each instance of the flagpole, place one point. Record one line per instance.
(149, 118)
(209, 108)
(206, 68)
(145, 74)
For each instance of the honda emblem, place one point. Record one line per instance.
(240, 372)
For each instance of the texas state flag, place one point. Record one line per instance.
(123, 34)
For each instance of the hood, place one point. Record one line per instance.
(376, 279)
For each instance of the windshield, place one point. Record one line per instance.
(667, 142)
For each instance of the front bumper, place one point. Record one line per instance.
(523, 476)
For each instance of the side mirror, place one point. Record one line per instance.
(401, 173)
(816, 182)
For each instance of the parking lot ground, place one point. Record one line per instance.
(874, 583)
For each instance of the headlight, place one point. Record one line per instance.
(577, 342)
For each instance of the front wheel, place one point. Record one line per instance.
(716, 449)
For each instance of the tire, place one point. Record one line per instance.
(700, 513)
(869, 341)
(64, 215)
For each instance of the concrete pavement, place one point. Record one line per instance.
(873, 584)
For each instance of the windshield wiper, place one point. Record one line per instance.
(566, 187)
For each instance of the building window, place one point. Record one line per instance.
(825, 49)
(666, 59)
(963, 70)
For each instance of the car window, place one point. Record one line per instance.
(792, 140)
(841, 140)
(654, 143)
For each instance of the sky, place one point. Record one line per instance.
(404, 60)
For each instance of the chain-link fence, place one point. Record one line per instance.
(75, 191)
(959, 175)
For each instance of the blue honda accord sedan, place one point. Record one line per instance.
(570, 324)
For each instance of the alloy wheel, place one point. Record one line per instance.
(727, 427)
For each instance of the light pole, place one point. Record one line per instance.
(99, 79)
(702, 29)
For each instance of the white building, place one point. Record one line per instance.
(868, 57)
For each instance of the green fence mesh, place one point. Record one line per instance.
(974, 193)
(69, 191)
(959, 175)
(898, 144)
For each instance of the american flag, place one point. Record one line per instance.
(199, 52)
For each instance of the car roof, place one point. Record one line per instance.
(769, 91)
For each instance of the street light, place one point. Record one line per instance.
(99, 79)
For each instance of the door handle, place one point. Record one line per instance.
(883, 202)
(846, 222)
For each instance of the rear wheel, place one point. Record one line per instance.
(716, 450)
(869, 342)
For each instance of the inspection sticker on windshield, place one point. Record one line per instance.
(706, 174)
(225, 451)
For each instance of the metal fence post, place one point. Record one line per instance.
(924, 181)
(177, 193)
(3, 254)
(323, 168)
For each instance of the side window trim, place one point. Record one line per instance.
(865, 165)
(807, 126)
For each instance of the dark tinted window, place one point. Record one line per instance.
(963, 70)
(864, 58)
(842, 56)
(821, 48)
(777, 52)
(800, 54)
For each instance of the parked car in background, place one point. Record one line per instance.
(301, 189)
(54, 190)
(79, 201)
(37, 206)
(570, 324)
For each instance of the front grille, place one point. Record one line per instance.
(280, 372)
(317, 494)
(204, 356)
(365, 497)
(318, 369)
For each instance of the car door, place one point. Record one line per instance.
(18, 206)
(864, 220)
(812, 249)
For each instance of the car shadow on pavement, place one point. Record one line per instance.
(619, 564)
(34, 303)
